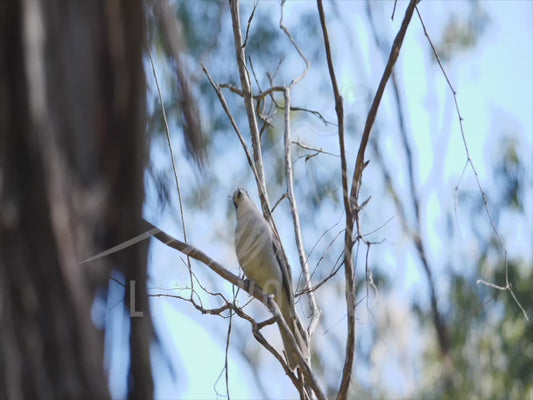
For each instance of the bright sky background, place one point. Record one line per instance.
(495, 93)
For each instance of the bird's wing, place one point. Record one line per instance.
(285, 270)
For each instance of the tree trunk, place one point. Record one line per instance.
(72, 121)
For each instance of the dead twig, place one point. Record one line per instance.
(508, 286)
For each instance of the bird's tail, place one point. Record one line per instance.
(290, 317)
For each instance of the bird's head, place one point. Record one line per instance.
(238, 196)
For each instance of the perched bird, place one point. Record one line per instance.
(259, 253)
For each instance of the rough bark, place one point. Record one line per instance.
(72, 116)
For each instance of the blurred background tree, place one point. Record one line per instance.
(72, 158)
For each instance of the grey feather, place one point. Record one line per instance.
(260, 255)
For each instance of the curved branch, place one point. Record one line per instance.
(371, 117)
(300, 52)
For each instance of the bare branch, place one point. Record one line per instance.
(304, 146)
(339, 108)
(315, 113)
(205, 259)
(229, 86)
(315, 311)
(256, 330)
(269, 91)
(348, 243)
(258, 96)
(249, 105)
(371, 117)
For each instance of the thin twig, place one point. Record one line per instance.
(321, 150)
(226, 368)
(323, 235)
(336, 269)
(254, 74)
(508, 286)
(282, 197)
(174, 167)
(261, 339)
(261, 105)
(325, 252)
(370, 277)
(393, 10)
(300, 52)
(315, 113)
(250, 19)
(256, 327)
